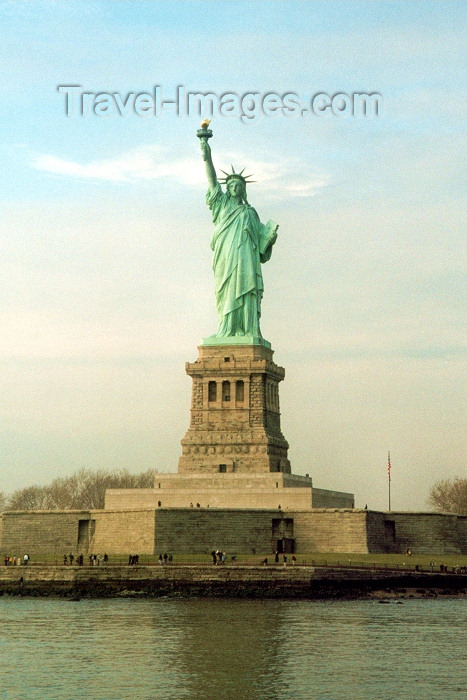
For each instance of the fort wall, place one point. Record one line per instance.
(287, 499)
(44, 532)
(330, 531)
(131, 531)
(426, 533)
(247, 530)
(199, 530)
(323, 498)
(462, 532)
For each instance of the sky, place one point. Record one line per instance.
(106, 284)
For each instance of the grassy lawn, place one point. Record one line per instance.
(401, 561)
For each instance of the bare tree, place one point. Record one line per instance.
(449, 496)
(3, 502)
(83, 490)
(95, 483)
(29, 498)
(65, 493)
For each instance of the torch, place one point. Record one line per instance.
(204, 134)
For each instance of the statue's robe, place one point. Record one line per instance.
(240, 243)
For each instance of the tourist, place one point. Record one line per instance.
(26, 559)
(294, 559)
(71, 558)
(65, 560)
(213, 555)
(276, 557)
(166, 556)
(106, 558)
(285, 560)
(161, 560)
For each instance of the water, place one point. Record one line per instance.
(206, 649)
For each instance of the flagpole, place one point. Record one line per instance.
(389, 479)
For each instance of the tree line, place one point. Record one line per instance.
(83, 490)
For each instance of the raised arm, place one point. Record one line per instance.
(210, 171)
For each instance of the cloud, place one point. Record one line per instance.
(308, 188)
(145, 163)
(154, 162)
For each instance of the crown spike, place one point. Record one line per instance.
(233, 175)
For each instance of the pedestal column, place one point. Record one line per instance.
(235, 416)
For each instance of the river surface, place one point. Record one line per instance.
(206, 649)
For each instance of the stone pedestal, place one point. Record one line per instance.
(235, 418)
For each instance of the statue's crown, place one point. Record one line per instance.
(235, 176)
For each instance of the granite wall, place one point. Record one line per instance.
(202, 530)
(196, 530)
(330, 531)
(428, 533)
(130, 531)
(45, 532)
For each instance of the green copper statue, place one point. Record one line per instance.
(240, 243)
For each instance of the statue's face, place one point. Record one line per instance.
(236, 188)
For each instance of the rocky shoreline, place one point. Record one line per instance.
(300, 582)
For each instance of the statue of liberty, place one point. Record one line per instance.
(240, 243)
